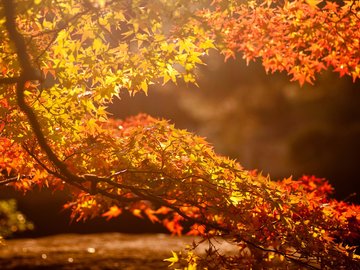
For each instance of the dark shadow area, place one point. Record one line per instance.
(45, 209)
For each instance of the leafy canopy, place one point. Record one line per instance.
(299, 37)
(62, 62)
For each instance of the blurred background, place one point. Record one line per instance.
(264, 121)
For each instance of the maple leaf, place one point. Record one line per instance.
(150, 214)
(137, 213)
(113, 212)
(333, 6)
(197, 229)
(314, 3)
(342, 69)
(173, 226)
(174, 259)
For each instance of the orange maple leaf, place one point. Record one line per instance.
(197, 229)
(113, 212)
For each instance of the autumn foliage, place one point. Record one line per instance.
(63, 62)
(301, 38)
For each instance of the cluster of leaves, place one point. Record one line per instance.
(173, 177)
(149, 168)
(61, 64)
(12, 221)
(84, 53)
(306, 220)
(300, 37)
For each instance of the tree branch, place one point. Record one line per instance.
(9, 80)
(14, 179)
(8, 180)
(28, 72)
(144, 195)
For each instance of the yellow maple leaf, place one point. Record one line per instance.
(174, 259)
(144, 86)
(313, 3)
(97, 45)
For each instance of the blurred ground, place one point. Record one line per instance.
(92, 252)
